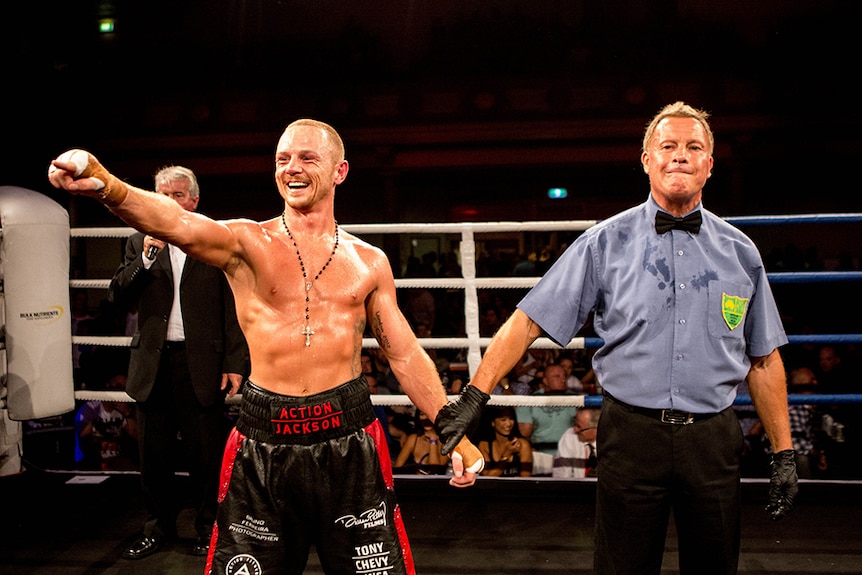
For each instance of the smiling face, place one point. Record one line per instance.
(503, 425)
(678, 161)
(307, 166)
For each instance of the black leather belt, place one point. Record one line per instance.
(671, 416)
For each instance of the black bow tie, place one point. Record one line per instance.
(665, 222)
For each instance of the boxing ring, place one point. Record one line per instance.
(493, 520)
(41, 387)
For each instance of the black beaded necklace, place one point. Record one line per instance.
(307, 331)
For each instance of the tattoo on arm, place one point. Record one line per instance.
(377, 328)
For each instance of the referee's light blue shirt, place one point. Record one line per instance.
(680, 314)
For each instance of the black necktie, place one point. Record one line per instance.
(665, 222)
(590, 466)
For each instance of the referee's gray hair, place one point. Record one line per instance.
(679, 110)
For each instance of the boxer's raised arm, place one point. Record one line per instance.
(79, 172)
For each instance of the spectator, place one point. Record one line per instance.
(382, 412)
(456, 384)
(526, 266)
(509, 386)
(420, 307)
(832, 373)
(573, 384)
(506, 453)
(385, 376)
(576, 452)
(489, 321)
(418, 303)
(367, 365)
(804, 421)
(374, 387)
(532, 362)
(401, 426)
(544, 425)
(837, 375)
(422, 330)
(420, 453)
(107, 432)
(450, 267)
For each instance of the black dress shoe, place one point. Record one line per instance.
(201, 546)
(143, 547)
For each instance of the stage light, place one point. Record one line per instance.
(106, 25)
(557, 193)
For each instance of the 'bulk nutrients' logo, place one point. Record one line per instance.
(52, 314)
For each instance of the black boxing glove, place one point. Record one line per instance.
(783, 484)
(461, 417)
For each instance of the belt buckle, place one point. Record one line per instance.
(675, 417)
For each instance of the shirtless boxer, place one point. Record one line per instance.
(307, 462)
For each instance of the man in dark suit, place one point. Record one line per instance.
(187, 351)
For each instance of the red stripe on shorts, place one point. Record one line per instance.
(234, 443)
(375, 430)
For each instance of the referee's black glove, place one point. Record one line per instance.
(783, 484)
(460, 417)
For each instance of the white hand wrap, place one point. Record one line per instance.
(477, 466)
(110, 190)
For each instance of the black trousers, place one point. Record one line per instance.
(173, 427)
(648, 469)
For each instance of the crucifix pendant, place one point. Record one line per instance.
(307, 332)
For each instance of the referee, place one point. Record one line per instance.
(682, 303)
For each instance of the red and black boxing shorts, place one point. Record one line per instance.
(303, 471)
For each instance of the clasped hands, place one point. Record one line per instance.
(455, 421)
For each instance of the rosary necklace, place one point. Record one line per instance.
(307, 331)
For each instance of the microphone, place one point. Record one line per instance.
(151, 252)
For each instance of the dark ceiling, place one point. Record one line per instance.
(449, 111)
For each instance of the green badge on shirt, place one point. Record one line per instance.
(733, 309)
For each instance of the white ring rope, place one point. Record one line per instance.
(103, 340)
(461, 342)
(511, 400)
(369, 343)
(528, 282)
(379, 399)
(94, 284)
(101, 232)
